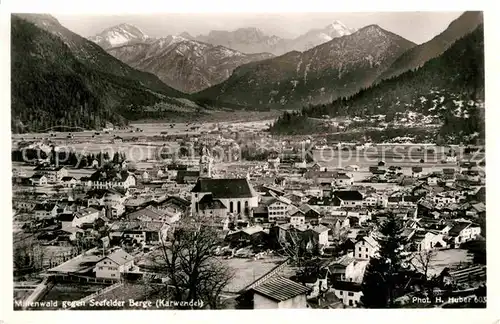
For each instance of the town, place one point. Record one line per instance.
(226, 216)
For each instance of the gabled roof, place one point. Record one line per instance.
(225, 188)
(457, 228)
(137, 226)
(370, 240)
(348, 195)
(346, 286)
(38, 176)
(66, 217)
(208, 202)
(305, 208)
(252, 230)
(69, 178)
(85, 212)
(280, 289)
(119, 257)
(343, 261)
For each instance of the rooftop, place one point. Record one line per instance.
(280, 289)
(225, 188)
(348, 195)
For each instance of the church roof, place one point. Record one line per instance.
(225, 188)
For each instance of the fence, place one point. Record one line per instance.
(99, 292)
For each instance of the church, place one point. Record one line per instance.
(219, 197)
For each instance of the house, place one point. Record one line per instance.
(428, 240)
(348, 292)
(316, 282)
(310, 237)
(249, 235)
(187, 176)
(279, 292)
(347, 198)
(336, 222)
(237, 195)
(260, 213)
(69, 182)
(211, 207)
(278, 207)
(108, 179)
(38, 180)
(327, 300)
(174, 203)
(311, 215)
(54, 174)
(444, 198)
(114, 265)
(366, 248)
(342, 269)
(343, 180)
(463, 232)
(24, 205)
(141, 232)
(152, 214)
(77, 219)
(18, 173)
(45, 211)
(297, 217)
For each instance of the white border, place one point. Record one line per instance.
(487, 316)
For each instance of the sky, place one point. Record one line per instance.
(416, 26)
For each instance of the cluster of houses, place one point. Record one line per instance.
(120, 215)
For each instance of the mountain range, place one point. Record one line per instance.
(184, 64)
(249, 40)
(253, 40)
(119, 35)
(340, 67)
(62, 79)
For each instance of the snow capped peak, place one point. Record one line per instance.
(337, 29)
(119, 35)
(337, 25)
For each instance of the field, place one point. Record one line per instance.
(70, 292)
(445, 258)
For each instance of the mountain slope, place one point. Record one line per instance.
(184, 64)
(94, 57)
(51, 86)
(337, 68)
(118, 35)
(449, 88)
(418, 55)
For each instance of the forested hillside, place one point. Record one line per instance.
(450, 86)
(51, 87)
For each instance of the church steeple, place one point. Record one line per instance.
(206, 162)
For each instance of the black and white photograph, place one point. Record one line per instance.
(239, 161)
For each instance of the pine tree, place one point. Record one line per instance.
(382, 275)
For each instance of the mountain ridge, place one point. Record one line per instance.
(186, 65)
(337, 68)
(55, 83)
(418, 55)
